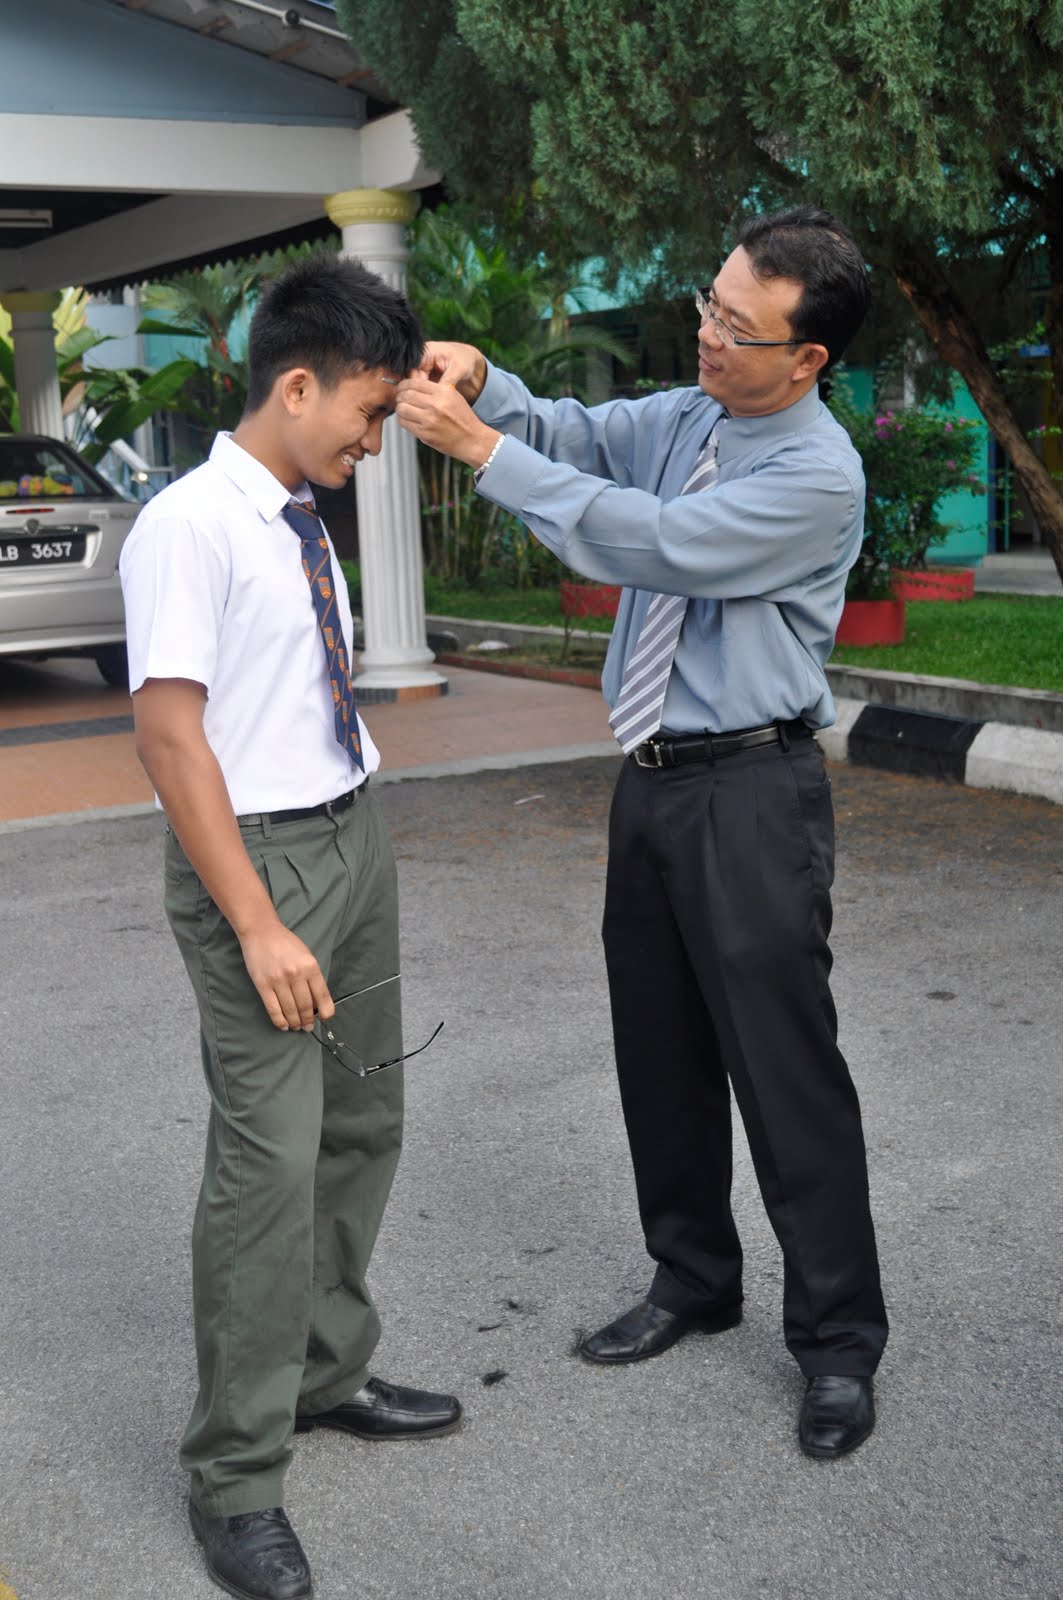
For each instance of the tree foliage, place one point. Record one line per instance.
(208, 304)
(640, 135)
(466, 286)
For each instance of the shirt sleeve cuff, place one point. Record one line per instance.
(492, 397)
(509, 479)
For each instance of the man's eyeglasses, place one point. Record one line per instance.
(329, 1035)
(724, 332)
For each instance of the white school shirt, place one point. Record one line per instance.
(215, 591)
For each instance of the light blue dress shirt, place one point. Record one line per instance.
(763, 555)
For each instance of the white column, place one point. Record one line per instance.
(144, 436)
(40, 407)
(396, 662)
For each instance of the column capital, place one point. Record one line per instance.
(22, 300)
(352, 206)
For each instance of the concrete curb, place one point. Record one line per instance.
(949, 697)
(575, 677)
(983, 755)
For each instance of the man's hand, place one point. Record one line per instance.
(435, 412)
(287, 977)
(460, 365)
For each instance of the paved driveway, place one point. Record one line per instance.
(513, 1225)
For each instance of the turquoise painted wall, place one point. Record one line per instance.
(159, 348)
(860, 383)
(966, 513)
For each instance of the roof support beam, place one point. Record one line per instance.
(138, 154)
(221, 183)
(131, 244)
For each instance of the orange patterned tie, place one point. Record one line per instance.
(317, 564)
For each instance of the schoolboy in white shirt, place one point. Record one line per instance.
(280, 890)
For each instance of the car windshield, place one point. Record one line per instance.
(38, 469)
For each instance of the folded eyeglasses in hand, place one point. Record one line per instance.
(338, 1033)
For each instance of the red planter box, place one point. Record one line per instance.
(938, 583)
(589, 599)
(871, 622)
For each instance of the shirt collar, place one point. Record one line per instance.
(742, 431)
(265, 492)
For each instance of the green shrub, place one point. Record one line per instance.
(912, 460)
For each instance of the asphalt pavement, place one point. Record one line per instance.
(513, 1225)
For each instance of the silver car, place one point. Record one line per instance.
(62, 526)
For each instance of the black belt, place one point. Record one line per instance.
(690, 747)
(328, 808)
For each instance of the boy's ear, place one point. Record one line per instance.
(293, 389)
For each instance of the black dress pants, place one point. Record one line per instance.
(717, 917)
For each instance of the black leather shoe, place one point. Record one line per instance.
(387, 1411)
(648, 1330)
(837, 1414)
(255, 1556)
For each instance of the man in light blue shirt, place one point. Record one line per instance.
(731, 514)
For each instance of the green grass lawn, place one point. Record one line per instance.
(532, 607)
(1011, 639)
(994, 638)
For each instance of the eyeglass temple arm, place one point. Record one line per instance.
(408, 1056)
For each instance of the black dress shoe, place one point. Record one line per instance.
(648, 1330)
(387, 1411)
(255, 1556)
(837, 1414)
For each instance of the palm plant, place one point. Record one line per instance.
(100, 404)
(465, 286)
(208, 305)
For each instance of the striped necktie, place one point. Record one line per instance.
(637, 713)
(317, 564)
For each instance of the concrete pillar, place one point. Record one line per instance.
(40, 407)
(396, 662)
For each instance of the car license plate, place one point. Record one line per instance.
(60, 550)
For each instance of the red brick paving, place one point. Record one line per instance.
(482, 715)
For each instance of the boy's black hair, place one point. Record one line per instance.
(816, 250)
(333, 316)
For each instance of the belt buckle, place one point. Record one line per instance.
(340, 803)
(649, 744)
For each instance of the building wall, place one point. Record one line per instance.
(70, 58)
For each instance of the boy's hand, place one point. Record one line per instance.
(287, 977)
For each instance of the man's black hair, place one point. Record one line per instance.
(817, 251)
(333, 316)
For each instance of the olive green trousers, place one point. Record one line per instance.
(300, 1155)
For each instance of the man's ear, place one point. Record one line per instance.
(294, 388)
(811, 359)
